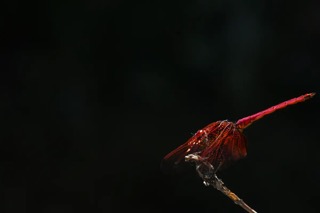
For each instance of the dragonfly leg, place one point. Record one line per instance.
(204, 169)
(218, 167)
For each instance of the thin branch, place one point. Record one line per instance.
(208, 174)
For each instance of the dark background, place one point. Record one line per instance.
(94, 94)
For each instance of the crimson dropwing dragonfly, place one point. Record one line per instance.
(223, 142)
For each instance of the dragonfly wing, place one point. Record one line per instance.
(235, 146)
(170, 162)
(229, 146)
(178, 154)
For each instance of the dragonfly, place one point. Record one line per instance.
(222, 142)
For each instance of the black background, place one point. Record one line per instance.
(95, 93)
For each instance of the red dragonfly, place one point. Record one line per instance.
(222, 142)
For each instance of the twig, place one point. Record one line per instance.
(208, 174)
